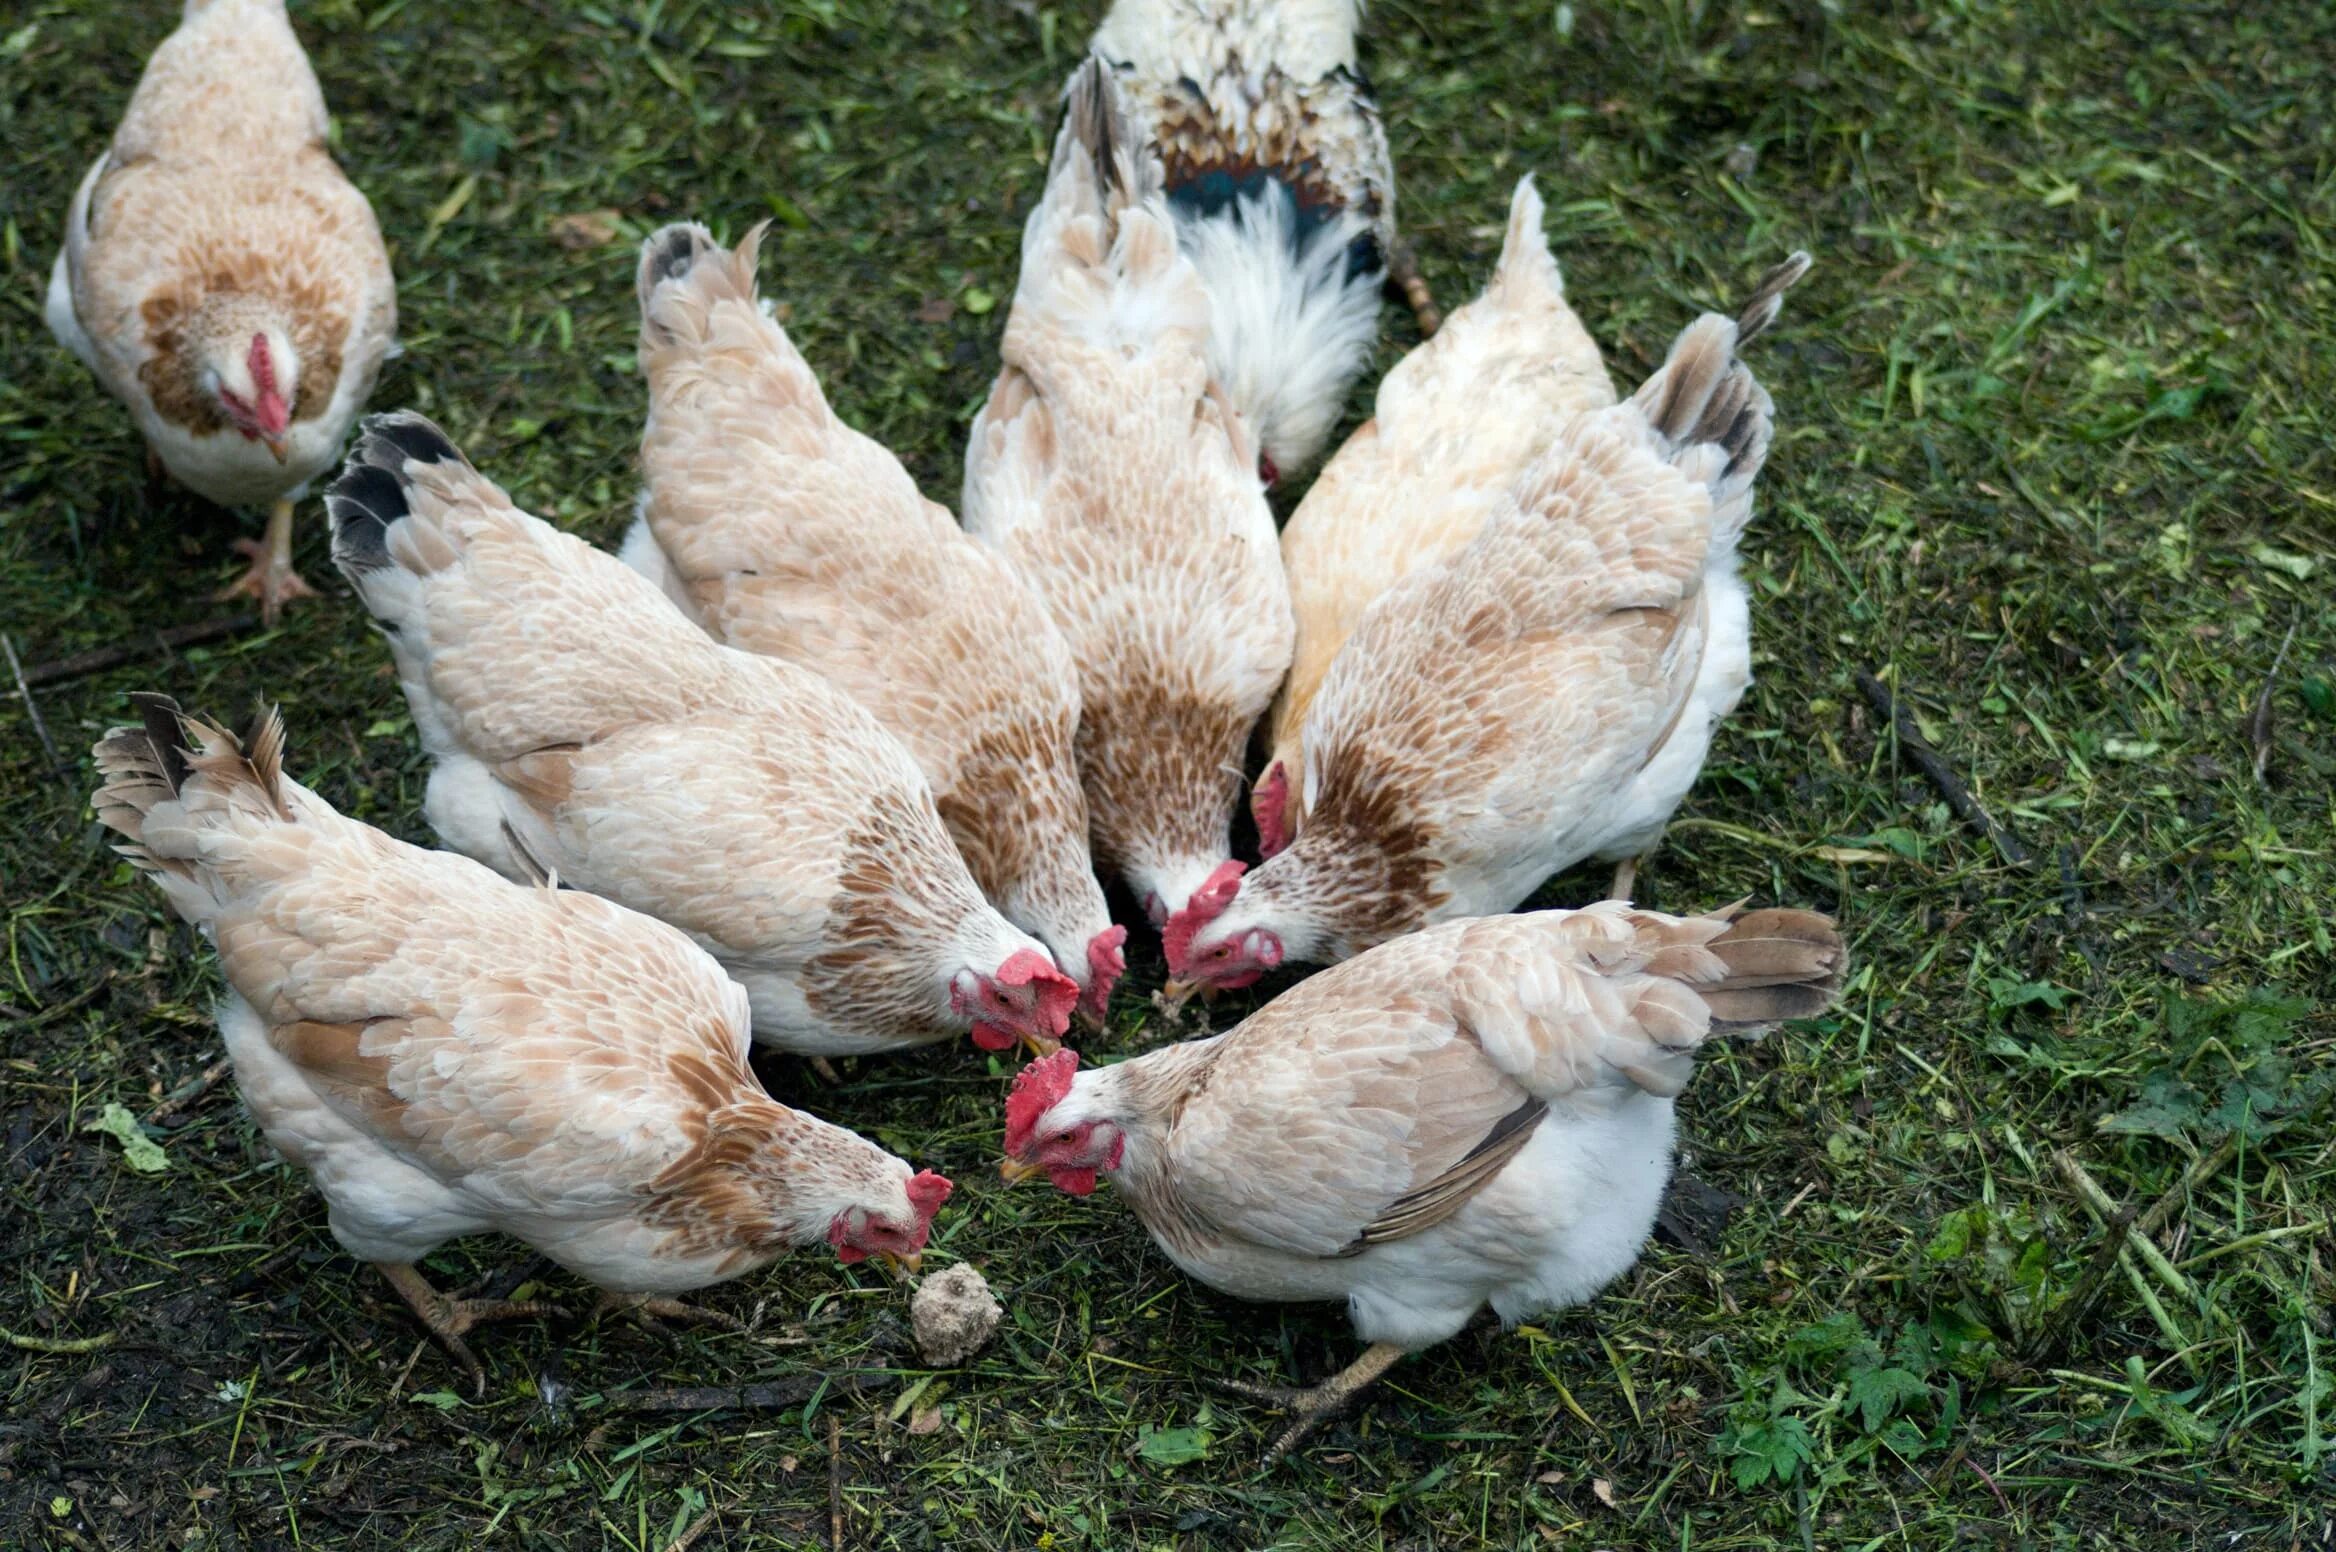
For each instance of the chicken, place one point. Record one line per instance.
(1478, 1114)
(224, 280)
(1278, 178)
(576, 718)
(1457, 421)
(1546, 694)
(783, 531)
(446, 1053)
(1277, 174)
(1110, 467)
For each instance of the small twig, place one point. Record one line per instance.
(1941, 775)
(190, 1091)
(2120, 1227)
(792, 1391)
(2259, 725)
(98, 659)
(57, 1010)
(697, 1527)
(835, 1484)
(32, 708)
(60, 1346)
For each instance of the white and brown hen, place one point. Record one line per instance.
(1478, 1114)
(1276, 170)
(1455, 423)
(1110, 466)
(222, 277)
(1544, 695)
(447, 1053)
(783, 531)
(575, 717)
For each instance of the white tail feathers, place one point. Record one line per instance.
(1526, 261)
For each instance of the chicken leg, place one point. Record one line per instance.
(1404, 278)
(1625, 878)
(271, 579)
(449, 1318)
(1326, 1400)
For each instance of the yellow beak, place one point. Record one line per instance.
(277, 446)
(1041, 1045)
(901, 1267)
(1015, 1171)
(1177, 993)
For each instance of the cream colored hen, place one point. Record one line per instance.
(576, 718)
(1110, 466)
(784, 531)
(223, 279)
(1456, 422)
(1478, 1114)
(446, 1053)
(1544, 695)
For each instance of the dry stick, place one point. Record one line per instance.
(32, 708)
(835, 1485)
(1942, 775)
(2259, 725)
(190, 1091)
(2120, 1226)
(98, 659)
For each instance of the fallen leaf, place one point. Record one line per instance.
(141, 1152)
(936, 309)
(1603, 1491)
(1852, 854)
(1173, 1446)
(927, 1420)
(585, 229)
(1550, 1478)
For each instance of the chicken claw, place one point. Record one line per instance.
(447, 1319)
(1312, 1407)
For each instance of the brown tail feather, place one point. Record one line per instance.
(151, 764)
(1781, 964)
(1760, 309)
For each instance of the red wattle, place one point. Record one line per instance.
(1269, 804)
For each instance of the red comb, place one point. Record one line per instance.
(1106, 958)
(1057, 992)
(1208, 902)
(926, 1192)
(1269, 803)
(1037, 1089)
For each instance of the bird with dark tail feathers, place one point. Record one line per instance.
(574, 717)
(1276, 168)
(447, 1053)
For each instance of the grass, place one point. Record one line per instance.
(2055, 463)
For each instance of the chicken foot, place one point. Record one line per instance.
(447, 1319)
(1405, 280)
(652, 1311)
(1312, 1407)
(271, 578)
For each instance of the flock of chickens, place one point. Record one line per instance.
(821, 768)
